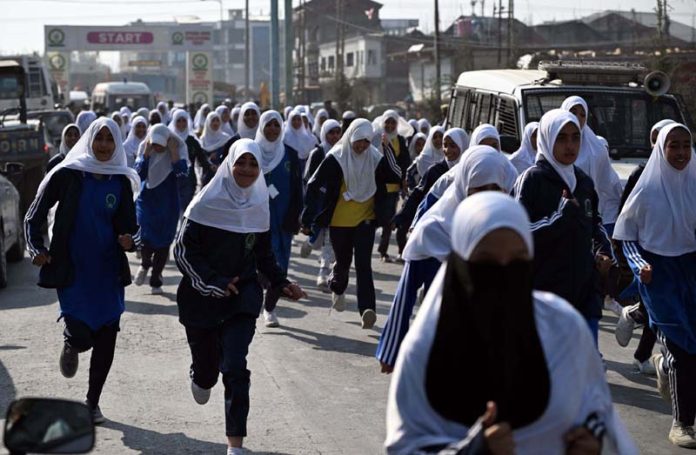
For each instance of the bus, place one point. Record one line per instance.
(111, 96)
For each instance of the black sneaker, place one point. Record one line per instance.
(97, 416)
(69, 361)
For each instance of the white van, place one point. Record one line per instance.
(41, 89)
(621, 108)
(111, 96)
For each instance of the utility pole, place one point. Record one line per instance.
(339, 35)
(438, 82)
(483, 7)
(500, 31)
(510, 30)
(247, 57)
(275, 71)
(302, 57)
(289, 47)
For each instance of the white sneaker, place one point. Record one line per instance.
(323, 284)
(305, 250)
(156, 290)
(613, 306)
(662, 378)
(625, 326)
(646, 368)
(200, 395)
(682, 435)
(338, 302)
(140, 276)
(236, 451)
(271, 319)
(369, 317)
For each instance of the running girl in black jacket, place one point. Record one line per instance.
(224, 241)
(570, 241)
(95, 220)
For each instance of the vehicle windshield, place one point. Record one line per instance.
(623, 118)
(9, 87)
(133, 102)
(55, 124)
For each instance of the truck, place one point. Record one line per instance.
(22, 141)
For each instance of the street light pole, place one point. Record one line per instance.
(438, 83)
(275, 70)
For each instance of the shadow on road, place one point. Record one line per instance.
(325, 342)
(152, 442)
(22, 288)
(168, 309)
(7, 389)
(648, 400)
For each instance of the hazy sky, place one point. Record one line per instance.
(22, 21)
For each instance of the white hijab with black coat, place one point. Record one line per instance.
(272, 153)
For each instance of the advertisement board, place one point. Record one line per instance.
(199, 77)
(59, 66)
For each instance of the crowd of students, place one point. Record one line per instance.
(511, 257)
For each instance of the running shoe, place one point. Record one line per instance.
(323, 284)
(140, 276)
(662, 379)
(682, 435)
(646, 368)
(200, 395)
(157, 290)
(97, 416)
(305, 250)
(69, 361)
(612, 305)
(386, 259)
(369, 317)
(236, 451)
(271, 320)
(625, 326)
(338, 302)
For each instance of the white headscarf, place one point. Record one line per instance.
(225, 205)
(659, 125)
(84, 119)
(459, 137)
(402, 126)
(358, 169)
(432, 235)
(235, 113)
(81, 157)
(412, 144)
(272, 153)
(328, 125)
(525, 156)
(414, 124)
(550, 125)
(578, 386)
(424, 123)
(660, 213)
(484, 131)
(430, 155)
(132, 142)
(593, 160)
(160, 164)
(199, 120)
(242, 129)
(299, 139)
(63, 150)
(226, 127)
(163, 110)
(143, 112)
(321, 114)
(287, 111)
(213, 140)
(176, 115)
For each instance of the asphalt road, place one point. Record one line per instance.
(316, 387)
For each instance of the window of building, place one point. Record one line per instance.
(371, 57)
(350, 59)
(323, 64)
(331, 62)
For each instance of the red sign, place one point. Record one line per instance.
(120, 37)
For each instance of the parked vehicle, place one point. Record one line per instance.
(624, 103)
(11, 226)
(41, 91)
(53, 122)
(111, 96)
(47, 425)
(21, 140)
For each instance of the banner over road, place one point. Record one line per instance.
(160, 38)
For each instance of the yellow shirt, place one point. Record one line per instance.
(395, 187)
(352, 213)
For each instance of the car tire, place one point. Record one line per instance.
(3, 264)
(16, 253)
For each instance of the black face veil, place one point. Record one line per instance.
(486, 347)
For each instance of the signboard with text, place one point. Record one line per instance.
(59, 67)
(199, 77)
(160, 38)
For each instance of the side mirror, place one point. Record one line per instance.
(509, 144)
(44, 425)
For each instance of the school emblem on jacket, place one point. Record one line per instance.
(588, 208)
(249, 242)
(110, 201)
